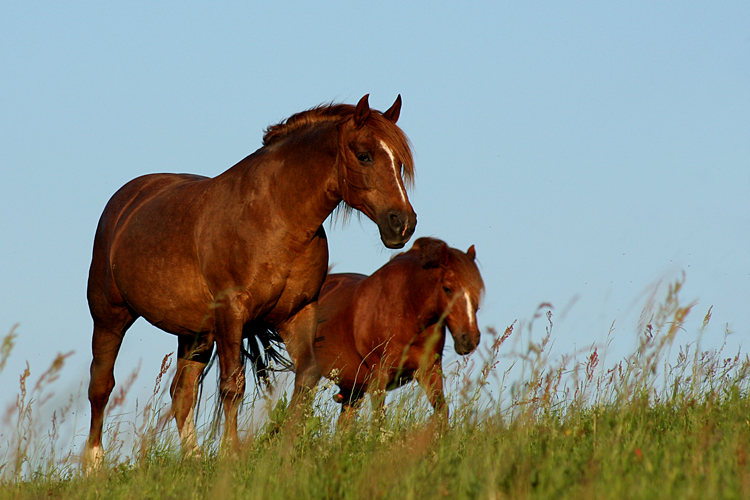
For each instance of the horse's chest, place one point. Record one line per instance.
(299, 286)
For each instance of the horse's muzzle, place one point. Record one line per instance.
(465, 344)
(396, 227)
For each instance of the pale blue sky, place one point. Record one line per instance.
(588, 149)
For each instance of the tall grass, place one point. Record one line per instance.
(666, 421)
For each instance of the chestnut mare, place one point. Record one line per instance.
(210, 259)
(378, 332)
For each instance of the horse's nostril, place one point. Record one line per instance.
(396, 221)
(396, 228)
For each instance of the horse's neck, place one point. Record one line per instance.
(299, 183)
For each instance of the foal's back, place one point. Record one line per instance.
(335, 344)
(361, 317)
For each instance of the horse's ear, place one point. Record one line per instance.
(394, 111)
(434, 254)
(444, 254)
(362, 111)
(471, 253)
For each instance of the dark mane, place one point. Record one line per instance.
(466, 267)
(303, 119)
(326, 113)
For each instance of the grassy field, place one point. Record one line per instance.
(647, 427)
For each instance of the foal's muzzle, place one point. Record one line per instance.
(396, 227)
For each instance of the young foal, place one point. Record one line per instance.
(378, 332)
(209, 259)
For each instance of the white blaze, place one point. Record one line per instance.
(396, 171)
(469, 309)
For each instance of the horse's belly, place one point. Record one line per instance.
(162, 283)
(175, 302)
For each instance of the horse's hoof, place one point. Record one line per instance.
(93, 458)
(194, 453)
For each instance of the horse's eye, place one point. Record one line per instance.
(364, 157)
(447, 290)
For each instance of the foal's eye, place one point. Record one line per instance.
(364, 157)
(447, 290)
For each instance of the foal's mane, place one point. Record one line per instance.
(327, 113)
(428, 249)
(468, 269)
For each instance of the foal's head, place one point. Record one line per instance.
(459, 290)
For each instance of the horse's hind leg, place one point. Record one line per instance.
(105, 345)
(192, 357)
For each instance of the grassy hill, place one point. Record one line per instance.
(646, 427)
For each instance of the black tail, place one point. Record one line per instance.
(263, 349)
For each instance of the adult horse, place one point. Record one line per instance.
(208, 259)
(378, 332)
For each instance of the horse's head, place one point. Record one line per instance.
(460, 289)
(375, 163)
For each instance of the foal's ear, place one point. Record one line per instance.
(394, 111)
(362, 111)
(471, 252)
(434, 254)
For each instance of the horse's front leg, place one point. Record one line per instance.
(298, 333)
(228, 336)
(192, 356)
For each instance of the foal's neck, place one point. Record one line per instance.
(422, 288)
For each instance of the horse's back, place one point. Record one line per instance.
(139, 190)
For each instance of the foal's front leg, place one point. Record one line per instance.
(298, 333)
(431, 380)
(351, 401)
(429, 375)
(380, 377)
